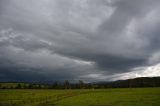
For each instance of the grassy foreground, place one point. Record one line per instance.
(99, 97)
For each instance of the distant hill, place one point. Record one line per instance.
(136, 82)
(129, 83)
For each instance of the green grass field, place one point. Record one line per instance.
(100, 97)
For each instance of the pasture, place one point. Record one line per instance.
(83, 97)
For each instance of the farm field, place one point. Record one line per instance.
(84, 97)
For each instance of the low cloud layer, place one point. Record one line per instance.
(91, 40)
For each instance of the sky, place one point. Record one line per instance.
(89, 40)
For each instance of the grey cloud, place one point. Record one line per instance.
(76, 38)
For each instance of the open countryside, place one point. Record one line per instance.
(85, 97)
(79, 52)
(143, 91)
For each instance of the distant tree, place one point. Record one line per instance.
(46, 86)
(11, 87)
(131, 83)
(30, 86)
(19, 86)
(25, 86)
(55, 85)
(39, 86)
(4, 87)
(66, 84)
(81, 84)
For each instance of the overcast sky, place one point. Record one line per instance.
(90, 40)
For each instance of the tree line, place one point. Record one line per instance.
(137, 82)
(56, 85)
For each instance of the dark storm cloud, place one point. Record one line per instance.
(110, 62)
(74, 39)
